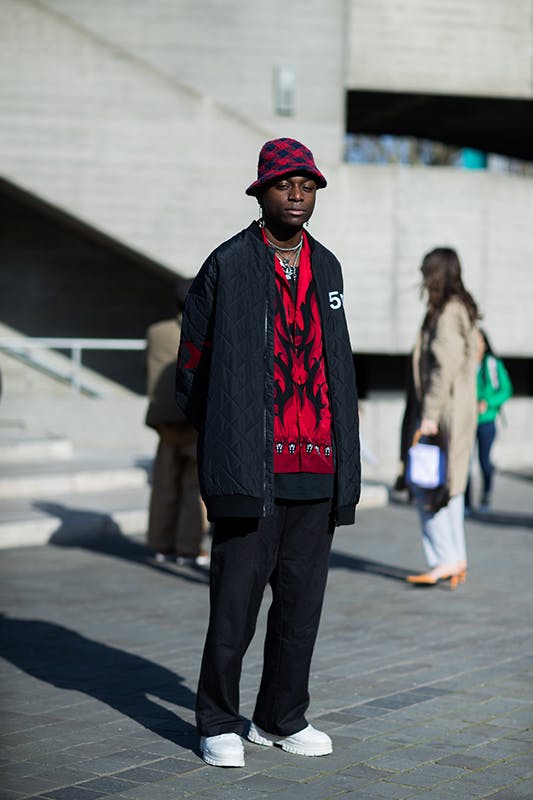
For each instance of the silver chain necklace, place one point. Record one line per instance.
(290, 268)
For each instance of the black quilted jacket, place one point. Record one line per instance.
(225, 381)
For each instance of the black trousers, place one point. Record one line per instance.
(289, 550)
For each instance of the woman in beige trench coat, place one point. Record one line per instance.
(444, 369)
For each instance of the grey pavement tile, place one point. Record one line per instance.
(296, 772)
(140, 775)
(151, 791)
(365, 710)
(512, 769)
(426, 776)
(502, 748)
(269, 783)
(187, 750)
(489, 730)
(64, 776)
(524, 765)
(400, 700)
(72, 793)
(41, 764)
(455, 790)
(502, 705)
(174, 766)
(367, 772)
(406, 758)
(9, 794)
(464, 760)
(235, 792)
(31, 749)
(355, 751)
(340, 718)
(519, 722)
(386, 791)
(314, 790)
(14, 722)
(422, 733)
(88, 750)
(192, 783)
(103, 765)
(29, 784)
(487, 781)
(467, 738)
(108, 785)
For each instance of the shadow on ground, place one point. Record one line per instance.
(344, 561)
(67, 660)
(99, 533)
(519, 474)
(510, 519)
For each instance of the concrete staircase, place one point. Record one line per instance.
(49, 493)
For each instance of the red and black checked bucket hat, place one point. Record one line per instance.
(281, 157)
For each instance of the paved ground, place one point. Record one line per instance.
(427, 693)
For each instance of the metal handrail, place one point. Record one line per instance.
(16, 344)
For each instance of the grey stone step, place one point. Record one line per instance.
(16, 449)
(373, 495)
(77, 517)
(81, 474)
(73, 518)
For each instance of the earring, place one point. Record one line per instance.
(307, 224)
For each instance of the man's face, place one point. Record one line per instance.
(289, 201)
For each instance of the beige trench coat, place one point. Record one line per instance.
(163, 414)
(444, 370)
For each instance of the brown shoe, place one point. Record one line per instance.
(460, 577)
(424, 579)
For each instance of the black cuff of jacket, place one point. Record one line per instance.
(345, 515)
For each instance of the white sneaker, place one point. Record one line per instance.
(201, 560)
(308, 742)
(224, 750)
(164, 558)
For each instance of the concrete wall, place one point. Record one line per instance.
(380, 431)
(130, 151)
(229, 49)
(465, 47)
(381, 220)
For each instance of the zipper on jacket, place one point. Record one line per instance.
(265, 409)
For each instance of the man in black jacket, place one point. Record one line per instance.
(265, 373)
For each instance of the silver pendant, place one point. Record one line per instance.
(291, 271)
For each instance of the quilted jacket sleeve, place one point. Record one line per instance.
(194, 355)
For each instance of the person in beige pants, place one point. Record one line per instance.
(177, 527)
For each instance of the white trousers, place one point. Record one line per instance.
(443, 533)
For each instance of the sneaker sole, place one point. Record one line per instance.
(223, 762)
(288, 747)
(257, 739)
(299, 751)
